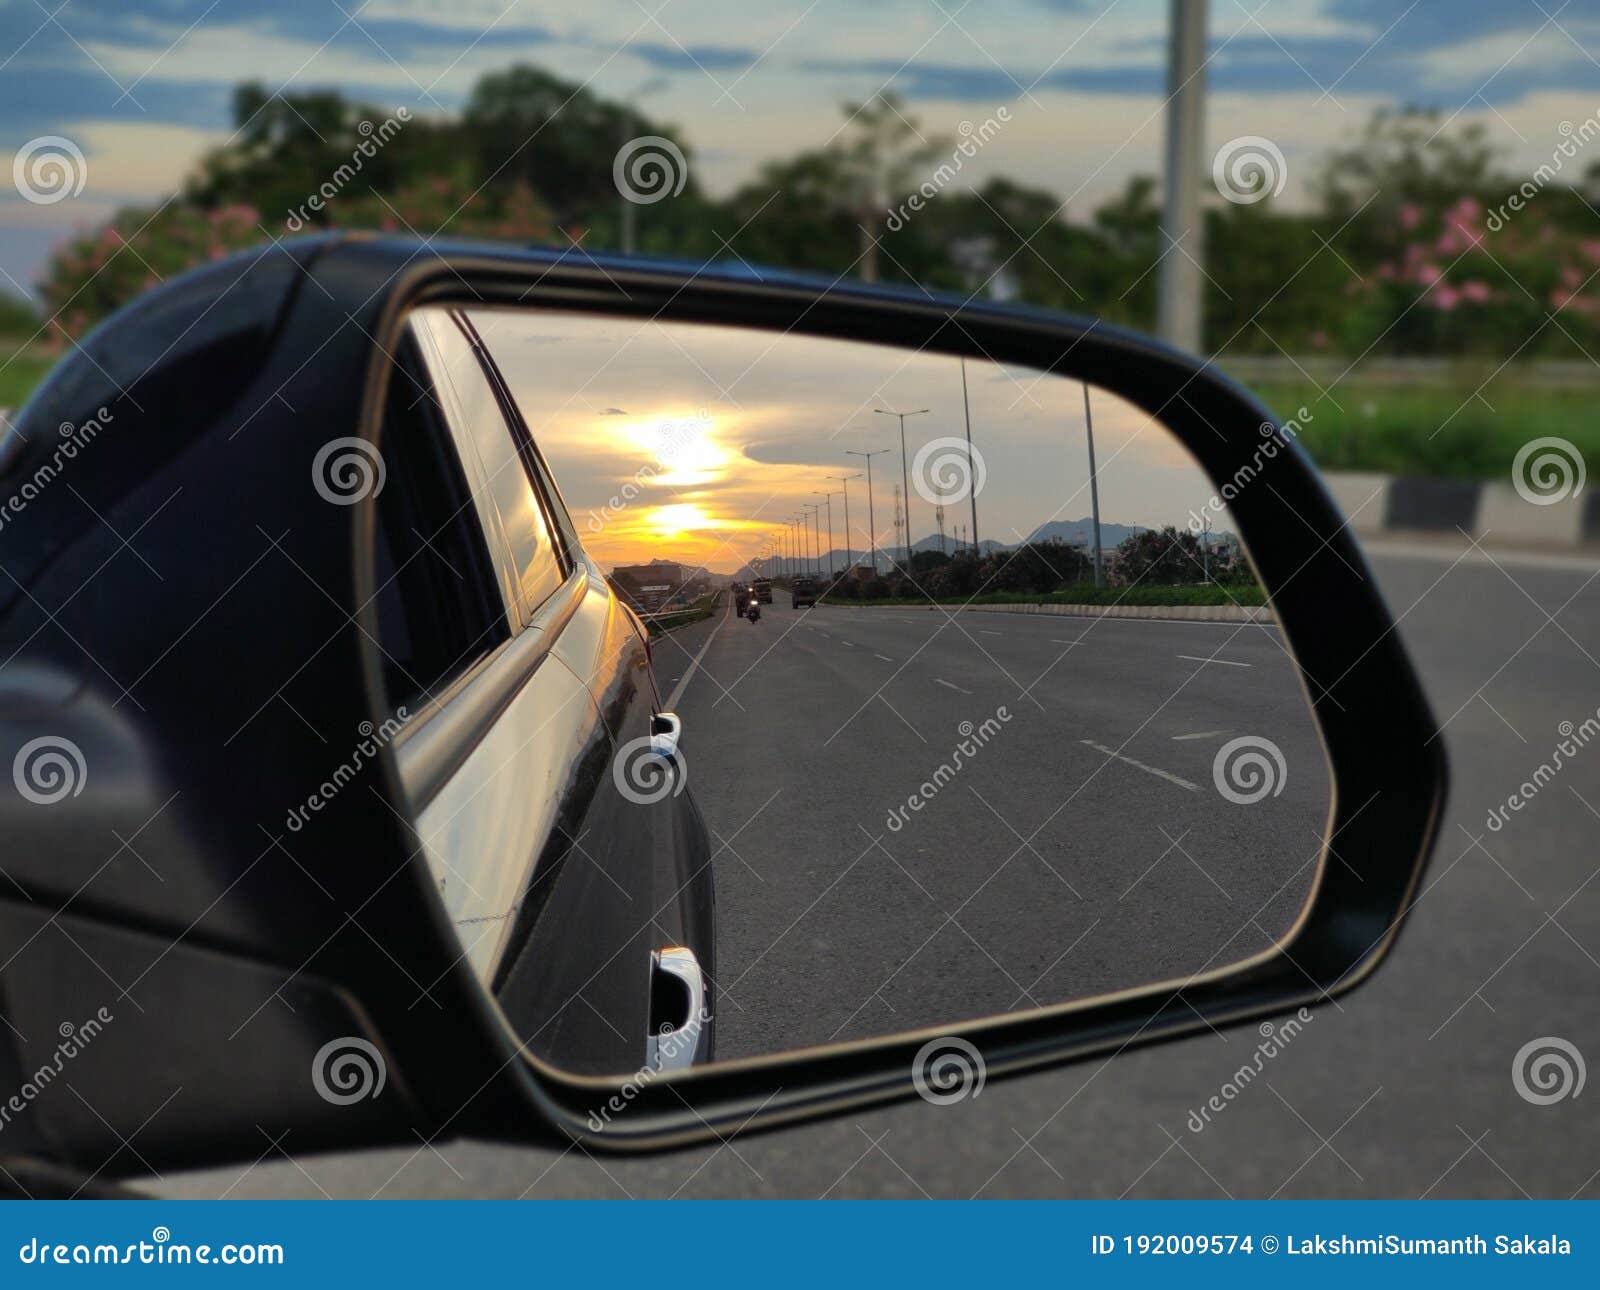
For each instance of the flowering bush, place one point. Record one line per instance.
(93, 274)
(1450, 285)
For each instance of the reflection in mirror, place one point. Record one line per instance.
(965, 700)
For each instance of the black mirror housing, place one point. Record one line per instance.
(239, 959)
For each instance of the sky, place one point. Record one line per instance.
(692, 442)
(141, 87)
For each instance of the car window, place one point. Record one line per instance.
(437, 606)
(504, 484)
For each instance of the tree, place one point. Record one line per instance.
(1158, 558)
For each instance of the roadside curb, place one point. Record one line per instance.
(1379, 503)
(1170, 613)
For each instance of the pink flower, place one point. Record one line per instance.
(1319, 340)
(1428, 274)
(1410, 215)
(1475, 291)
(1444, 297)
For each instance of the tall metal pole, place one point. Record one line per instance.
(971, 467)
(844, 487)
(827, 500)
(1181, 289)
(1094, 492)
(905, 473)
(872, 523)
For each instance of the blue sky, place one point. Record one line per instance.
(142, 86)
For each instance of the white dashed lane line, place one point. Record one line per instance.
(987, 632)
(1203, 734)
(1153, 770)
(950, 685)
(884, 657)
(1195, 658)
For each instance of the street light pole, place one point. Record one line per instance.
(905, 472)
(872, 524)
(816, 535)
(1094, 492)
(972, 473)
(827, 500)
(1181, 290)
(844, 487)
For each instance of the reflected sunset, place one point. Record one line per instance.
(704, 445)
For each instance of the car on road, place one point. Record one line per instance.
(763, 590)
(803, 592)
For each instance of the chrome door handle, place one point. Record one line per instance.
(674, 1040)
(666, 728)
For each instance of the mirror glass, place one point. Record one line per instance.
(961, 697)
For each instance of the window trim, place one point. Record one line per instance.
(482, 595)
(559, 523)
(438, 740)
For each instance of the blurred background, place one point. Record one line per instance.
(1392, 218)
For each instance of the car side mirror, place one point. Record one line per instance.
(331, 822)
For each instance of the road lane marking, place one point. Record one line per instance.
(1154, 770)
(884, 657)
(1195, 658)
(694, 666)
(987, 632)
(851, 644)
(949, 685)
(1203, 734)
(1056, 641)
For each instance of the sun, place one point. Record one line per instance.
(669, 522)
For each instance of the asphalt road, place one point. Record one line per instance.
(920, 818)
(1404, 1088)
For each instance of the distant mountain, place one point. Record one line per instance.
(1081, 532)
